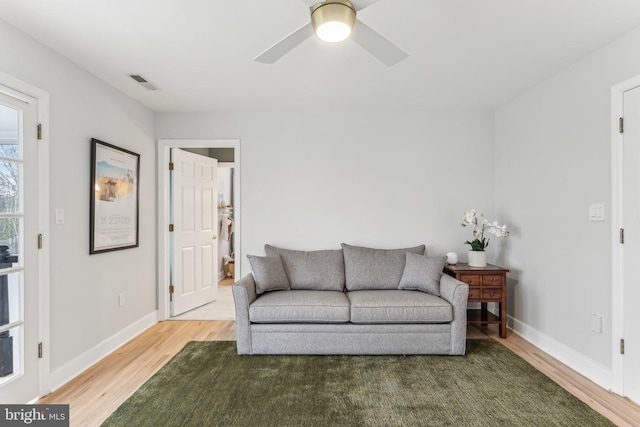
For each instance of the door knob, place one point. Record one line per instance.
(215, 236)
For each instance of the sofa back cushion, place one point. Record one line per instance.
(369, 269)
(313, 270)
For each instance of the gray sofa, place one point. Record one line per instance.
(350, 301)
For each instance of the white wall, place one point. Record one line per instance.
(553, 157)
(84, 288)
(314, 180)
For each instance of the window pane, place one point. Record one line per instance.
(9, 242)
(9, 298)
(10, 347)
(9, 138)
(9, 186)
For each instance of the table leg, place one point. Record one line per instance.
(503, 319)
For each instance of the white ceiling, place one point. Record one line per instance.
(463, 54)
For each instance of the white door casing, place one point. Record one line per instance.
(630, 249)
(23, 276)
(194, 266)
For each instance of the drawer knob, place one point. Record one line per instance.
(493, 279)
(492, 294)
(470, 281)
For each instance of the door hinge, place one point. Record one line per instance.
(621, 125)
(39, 241)
(171, 289)
(622, 235)
(39, 131)
(622, 346)
(39, 350)
(170, 227)
(171, 166)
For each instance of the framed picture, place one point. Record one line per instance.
(115, 199)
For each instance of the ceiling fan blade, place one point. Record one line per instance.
(285, 45)
(377, 45)
(362, 4)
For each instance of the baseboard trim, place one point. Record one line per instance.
(78, 365)
(594, 371)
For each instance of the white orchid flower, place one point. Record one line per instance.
(482, 226)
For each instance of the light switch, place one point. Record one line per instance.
(596, 212)
(596, 323)
(59, 216)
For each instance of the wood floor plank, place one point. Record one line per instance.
(98, 391)
(620, 410)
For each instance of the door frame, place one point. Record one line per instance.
(617, 298)
(15, 87)
(164, 155)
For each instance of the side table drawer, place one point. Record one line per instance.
(491, 294)
(475, 294)
(470, 279)
(492, 280)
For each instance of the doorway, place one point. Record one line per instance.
(227, 204)
(626, 238)
(23, 289)
(220, 307)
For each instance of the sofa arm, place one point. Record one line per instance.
(457, 293)
(244, 293)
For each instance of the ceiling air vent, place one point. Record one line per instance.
(143, 81)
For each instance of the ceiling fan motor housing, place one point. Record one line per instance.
(333, 20)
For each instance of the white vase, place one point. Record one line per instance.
(477, 259)
(452, 258)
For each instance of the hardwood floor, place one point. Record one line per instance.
(619, 410)
(97, 392)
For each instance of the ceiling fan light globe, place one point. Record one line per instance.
(333, 32)
(333, 20)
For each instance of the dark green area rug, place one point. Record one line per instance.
(208, 384)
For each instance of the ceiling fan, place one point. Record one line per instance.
(334, 21)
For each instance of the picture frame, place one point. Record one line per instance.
(115, 198)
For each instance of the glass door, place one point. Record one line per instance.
(19, 310)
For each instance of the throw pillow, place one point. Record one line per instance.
(313, 270)
(268, 273)
(422, 273)
(370, 269)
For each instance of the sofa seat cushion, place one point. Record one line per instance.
(298, 306)
(398, 306)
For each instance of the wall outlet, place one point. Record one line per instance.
(121, 299)
(596, 323)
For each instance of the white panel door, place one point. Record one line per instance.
(631, 247)
(194, 272)
(19, 311)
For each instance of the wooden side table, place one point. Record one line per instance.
(486, 284)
